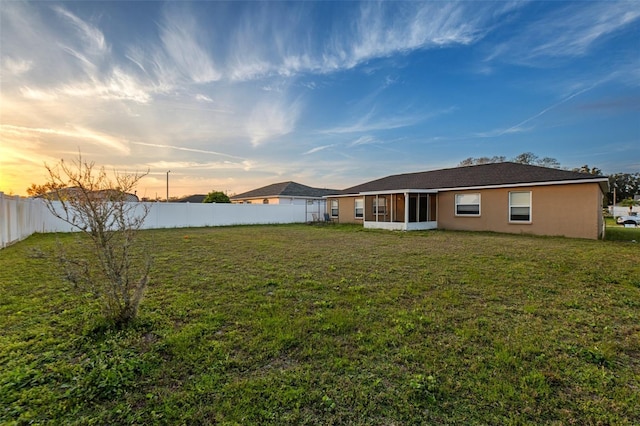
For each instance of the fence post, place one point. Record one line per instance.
(3, 220)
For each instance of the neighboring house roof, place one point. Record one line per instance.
(285, 189)
(484, 175)
(197, 198)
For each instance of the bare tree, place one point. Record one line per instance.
(85, 197)
(471, 161)
(524, 158)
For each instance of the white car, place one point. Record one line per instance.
(628, 220)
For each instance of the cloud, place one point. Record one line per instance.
(203, 98)
(265, 43)
(117, 86)
(270, 118)
(16, 66)
(383, 29)
(39, 61)
(567, 32)
(178, 168)
(38, 95)
(93, 39)
(184, 44)
(318, 149)
(520, 127)
(364, 140)
(75, 132)
(372, 122)
(181, 148)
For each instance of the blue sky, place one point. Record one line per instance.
(232, 96)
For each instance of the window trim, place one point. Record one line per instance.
(337, 205)
(456, 204)
(355, 208)
(529, 206)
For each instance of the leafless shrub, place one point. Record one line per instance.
(99, 206)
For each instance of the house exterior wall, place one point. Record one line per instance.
(346, 209)
(572, 210)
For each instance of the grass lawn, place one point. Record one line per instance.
(615, 232)
(315, 325)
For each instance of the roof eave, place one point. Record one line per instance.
(603, 182)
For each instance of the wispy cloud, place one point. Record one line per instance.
(383, 29)
(318, 149)
(70, 58)
(37, 94)
(373, 121)
(264, 45)
(203, 98)
(270, 118)
(75, 132)
(522, 126)
(15, 66)
(184, 43)
(567, 32)
(182, 148)
(177, 167)
(119, 86)
(364, 140)
(92, 38)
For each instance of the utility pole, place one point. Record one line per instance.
(168, 171)
(613, 209)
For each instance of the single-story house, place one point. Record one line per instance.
(288, 193)
(500, 197)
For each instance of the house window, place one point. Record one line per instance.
(359, 208)
(467, 204)
(520, 206)
(380, 205)
(265, 201)
(334, 208)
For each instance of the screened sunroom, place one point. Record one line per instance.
(409, 210)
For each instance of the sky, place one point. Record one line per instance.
(232, 96)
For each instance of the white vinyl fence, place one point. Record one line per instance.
(20, 217)
(623, 211)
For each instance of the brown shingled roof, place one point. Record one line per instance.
(493, 174)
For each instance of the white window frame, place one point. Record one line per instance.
(458, 203)
(361, 208)
(380, 206)
(336, 208)
(516, 205)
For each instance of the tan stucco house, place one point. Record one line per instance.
(500, 197)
